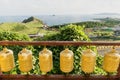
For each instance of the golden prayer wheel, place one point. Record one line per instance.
(6, 60)
(88, 61)
(66, 60)
(111, 61)
(45, 60)
(25, 60)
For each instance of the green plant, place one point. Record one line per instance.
(70, 33)
(13, 36)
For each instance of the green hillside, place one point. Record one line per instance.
(21, 27)
(29, 26)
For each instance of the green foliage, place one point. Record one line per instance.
(87, 24)
(66, 33)
(111, 22)
(73, 33)
(98, 69)
(70, 33)
(12, 36)
(91, 24)
(103, 33)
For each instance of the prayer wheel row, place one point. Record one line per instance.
(88, 60)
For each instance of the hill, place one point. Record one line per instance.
(87, 24)
(99, 22)
(21, 27)
(111, 22)
(32, 19)
(30, 25)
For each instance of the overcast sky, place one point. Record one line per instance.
(49, 7)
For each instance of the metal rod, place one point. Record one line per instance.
(60, 43)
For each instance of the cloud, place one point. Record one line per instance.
(29, 7)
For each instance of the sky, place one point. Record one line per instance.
(58, 7)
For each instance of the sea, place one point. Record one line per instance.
(51, 20)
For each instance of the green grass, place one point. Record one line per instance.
(28, 28)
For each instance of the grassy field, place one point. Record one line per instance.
(21, 27)
(28, 28)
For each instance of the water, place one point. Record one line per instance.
(56, 19)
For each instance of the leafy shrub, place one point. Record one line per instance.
(12, 36)
(70, 33)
